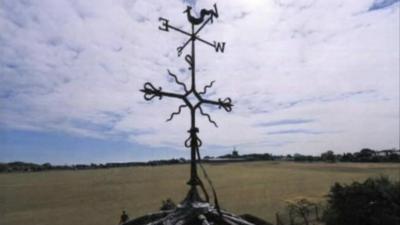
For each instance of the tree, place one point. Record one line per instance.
(365, 155)
(347, 157)
(3, 167)
(46, 166)
(376, 201)
(328, 156)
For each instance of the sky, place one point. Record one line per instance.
(305, 76)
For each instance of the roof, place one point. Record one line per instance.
(196, 213)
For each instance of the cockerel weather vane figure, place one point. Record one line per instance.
(191, 97)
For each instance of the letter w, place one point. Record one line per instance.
(219, 46)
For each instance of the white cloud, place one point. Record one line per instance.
(77, 67)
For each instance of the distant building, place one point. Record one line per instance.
(388, 152)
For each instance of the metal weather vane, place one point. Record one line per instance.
(191, 97)
(193, 209)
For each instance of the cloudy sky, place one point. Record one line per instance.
(305, 76)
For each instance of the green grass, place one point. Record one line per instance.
(98, 196)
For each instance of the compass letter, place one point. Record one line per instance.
(219, 46)
(164, 24)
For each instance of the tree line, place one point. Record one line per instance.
(364, 155)
(33, 167)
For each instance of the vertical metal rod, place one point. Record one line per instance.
(194, 180)
(193, 61)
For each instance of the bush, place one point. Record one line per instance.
(302, 211)
(168, 205)
(376, 201)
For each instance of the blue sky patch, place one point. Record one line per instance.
(286, 122)
(381, 4)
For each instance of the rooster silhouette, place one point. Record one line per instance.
(203, 13)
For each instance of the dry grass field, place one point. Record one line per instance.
(97, 196)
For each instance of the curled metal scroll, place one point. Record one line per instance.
(179, 50)
(193, 139)
(177, 81)
(206, 87)
(226, 104)
(150, 91)
(208, 116)
(189, 60)
(176, 113)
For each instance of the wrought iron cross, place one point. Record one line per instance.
(191, 97)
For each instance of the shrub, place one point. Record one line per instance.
(302, 211)
(376, 201)
(168, 205)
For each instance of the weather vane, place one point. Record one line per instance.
(191, 97)
(194, 209)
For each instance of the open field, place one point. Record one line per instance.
(98, 196)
